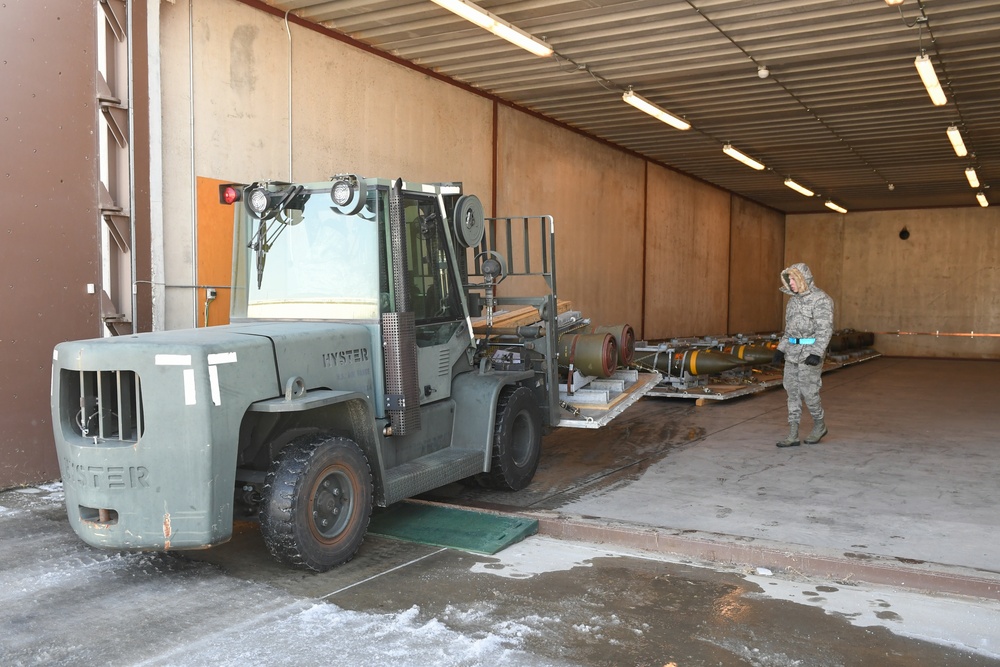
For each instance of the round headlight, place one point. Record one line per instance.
(341, 193)
(348, 193)
(258, 201)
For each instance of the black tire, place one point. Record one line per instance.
(517, 441)
(317, 502)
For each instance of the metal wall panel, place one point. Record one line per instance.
(49, 234)
(50, 230)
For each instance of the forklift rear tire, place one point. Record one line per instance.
(517, 441)
(317, 502)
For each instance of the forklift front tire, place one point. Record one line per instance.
(317, 502)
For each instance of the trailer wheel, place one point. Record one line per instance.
(317, 502)
(517, 441)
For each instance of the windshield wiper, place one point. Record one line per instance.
(267, 233)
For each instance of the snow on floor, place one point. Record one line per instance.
(324, 633)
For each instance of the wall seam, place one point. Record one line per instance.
(645, 229)
(496, 158)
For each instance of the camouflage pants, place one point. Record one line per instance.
(802, 382)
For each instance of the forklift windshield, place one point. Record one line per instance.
(308, 260)
(301, 254)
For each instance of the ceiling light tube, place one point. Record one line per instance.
(799, 188)
(955, 137)
(839, 209)
(496, 25)
(925, 68)
(742, 157)
(518, 37)
(642, 104)
(981, 198)
(970, 173)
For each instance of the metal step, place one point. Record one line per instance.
(431, 471)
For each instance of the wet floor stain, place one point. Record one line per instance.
(578, 462)
(612, 611)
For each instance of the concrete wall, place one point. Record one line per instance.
(687, 251)
(818, 240)
(756, 257)
(595, 194)
(351, 111)
(636, 243)
(942, 280)
(639, 243)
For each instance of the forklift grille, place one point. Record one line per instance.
(106, 405)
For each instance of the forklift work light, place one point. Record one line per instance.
(258, 201)
(348, 194)
(342, 192)
(264, 202)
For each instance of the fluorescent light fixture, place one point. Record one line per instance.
(970, 173)
(835, 207)
(955, 137)
(518, 37)
(742, 157)
(642, 104)
(496, 25)
(799, 188)
(981, 198)
(925, 68)
(893, 3)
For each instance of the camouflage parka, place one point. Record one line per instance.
(809, 314)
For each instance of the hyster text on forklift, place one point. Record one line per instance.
(351, 375)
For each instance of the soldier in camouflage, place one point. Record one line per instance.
(808, 328)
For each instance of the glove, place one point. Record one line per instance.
(778, 357)
(813, 360)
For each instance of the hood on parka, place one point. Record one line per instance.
(802, 275)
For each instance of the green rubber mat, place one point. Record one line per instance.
(451, 527)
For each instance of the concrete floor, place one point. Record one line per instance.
(678, 535)
(906, 481)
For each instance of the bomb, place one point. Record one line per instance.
(625, 339)
(691, 361)
(591, 354)
(752, 354)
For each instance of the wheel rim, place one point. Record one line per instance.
(332, 504)
(521, 440)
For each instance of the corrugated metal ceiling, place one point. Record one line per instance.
(843, 110)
